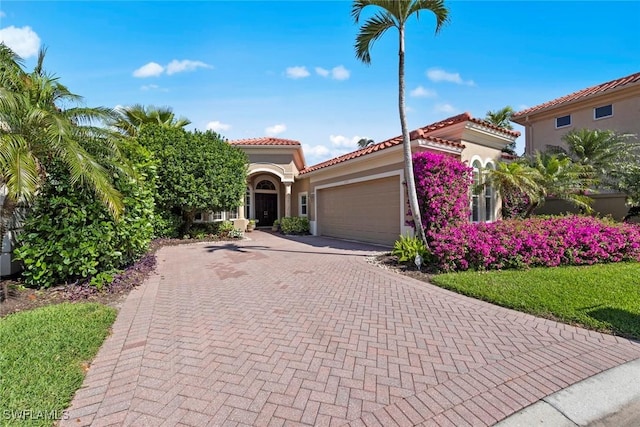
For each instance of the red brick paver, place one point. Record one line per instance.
(274, 331)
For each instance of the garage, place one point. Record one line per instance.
(367, 211)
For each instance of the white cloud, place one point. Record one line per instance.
(315, 152)
(152, 69)
(297, 72)
(23, 41)
(341, 141)
(176, 66)
(275, 129)
(439, 75)
(322, 72)
(522, 107)
(422, 92)
(340, 73)
(445, 108)
(153, 87)
(218, 126)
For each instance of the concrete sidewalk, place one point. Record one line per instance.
(611, 398)
(274, 331)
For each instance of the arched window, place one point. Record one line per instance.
(265, 185)
(475, 194)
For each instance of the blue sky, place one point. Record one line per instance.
(249, 69)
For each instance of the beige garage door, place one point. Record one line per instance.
(368, 211)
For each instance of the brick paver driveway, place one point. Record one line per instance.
(281, 332)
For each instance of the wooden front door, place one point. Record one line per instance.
(266, 208)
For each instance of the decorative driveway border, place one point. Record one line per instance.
(275, 331)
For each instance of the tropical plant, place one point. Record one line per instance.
(365, 142)
(611, 156)
(502, 118)
(407, 248)
(395, 14)
(531, 180)
(69, 235)
(37, 124)
(129, 120)
(519, 186)
(562, 178)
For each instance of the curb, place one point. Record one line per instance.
(609, 398)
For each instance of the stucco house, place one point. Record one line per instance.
(360, 195)
(613, 105)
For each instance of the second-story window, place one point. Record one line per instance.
(563, 121)
(602, 112)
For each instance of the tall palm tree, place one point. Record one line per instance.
(130, 119)
(395, 14)
(35, 127)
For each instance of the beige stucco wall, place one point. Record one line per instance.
(541, 130)
(603, 205)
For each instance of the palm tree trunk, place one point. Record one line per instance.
(406, 148)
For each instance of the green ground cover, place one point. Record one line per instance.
(604, 297)
(43, 356)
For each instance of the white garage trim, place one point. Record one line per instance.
(399, 173)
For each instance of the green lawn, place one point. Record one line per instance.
(42, 352)
(603, 297)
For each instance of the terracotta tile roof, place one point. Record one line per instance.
(416, 134)
(590, 91)
(265, 140)
(378, 147)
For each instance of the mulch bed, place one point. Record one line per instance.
(22, 298)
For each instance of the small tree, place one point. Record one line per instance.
(196, 171)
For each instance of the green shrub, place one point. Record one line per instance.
(69, 235)
(294, 225)
(407, 247)
(225, 228)
(236, 233)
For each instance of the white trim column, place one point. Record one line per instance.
(287, 199)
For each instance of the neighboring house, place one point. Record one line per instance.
(613, 105)
(361, 195)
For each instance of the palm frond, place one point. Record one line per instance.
(437, 7)
(371, 31)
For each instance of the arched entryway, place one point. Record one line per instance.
(266, 200)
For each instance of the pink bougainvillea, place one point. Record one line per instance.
(549, 242)
(442, 184)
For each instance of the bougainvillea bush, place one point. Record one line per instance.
(543, 241)
(442, 185)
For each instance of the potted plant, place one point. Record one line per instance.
(251, 225)
(276, 225)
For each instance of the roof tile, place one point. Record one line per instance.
(590, 91)
(265, 140)
(415, 134)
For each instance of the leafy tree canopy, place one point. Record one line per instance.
(196, 171)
